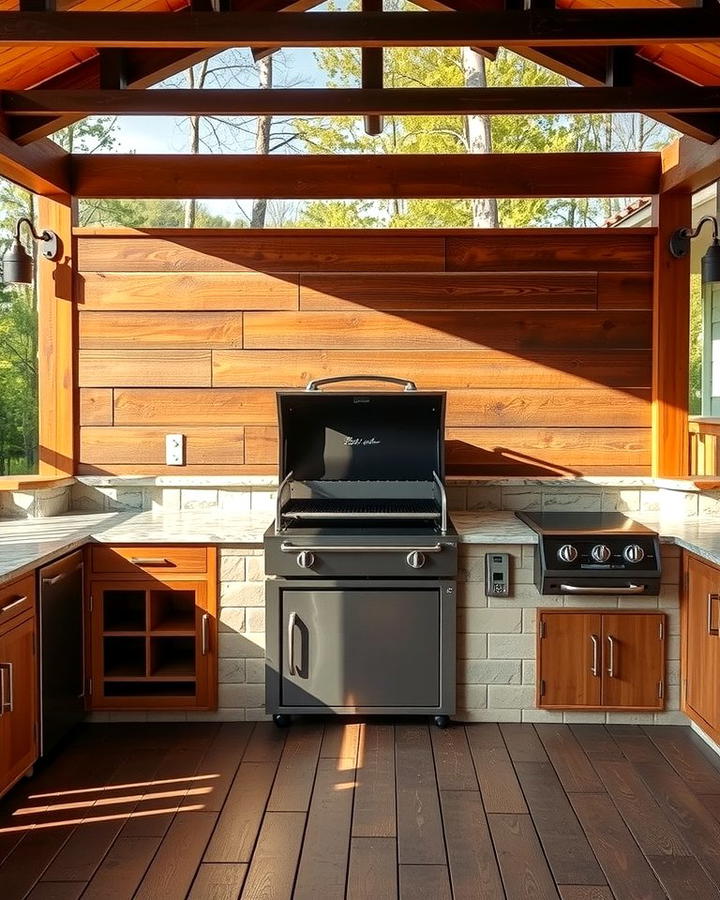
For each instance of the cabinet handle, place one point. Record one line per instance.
(59, 577)
(15, 602)
(611, 663)
(711, 598)
(595, 654)
(6, 705)
(292, 621)
(205, 630)
(150, 561)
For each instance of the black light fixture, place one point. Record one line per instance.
(680, 246)
(17, 264)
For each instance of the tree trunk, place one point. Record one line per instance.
(262, 140)
(479, 137)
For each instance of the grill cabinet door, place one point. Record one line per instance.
(360, 648)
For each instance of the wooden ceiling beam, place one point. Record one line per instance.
(372, 72)
(347, 176)
(605, 27)
(355, 101)
(43, 168)
(689, 165)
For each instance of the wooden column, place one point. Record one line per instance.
(671, 339)
(56, 353)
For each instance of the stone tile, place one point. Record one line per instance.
(232, 671)
(627, 500)
(629, 718)
(232, 566)
(510, 696)
(471, 593)
(457, 497)
(649, 500)
(670, 717)
(490, 671)
(472, 696)
(672, 671)
(572, 501)
(487, 715)
(482, 497)
(255, 671)
(262, 501)
(541, 715)
(678, 503)
(502, 621)
(218, 715)
(528, 671)
(586, 718)
(232, 618)
(201, 498)
(234, 501)
(529, 621)
(240, 646)
(471, 646)
(511, 646)
(255, 619)
(709, 503)
(521, 498)
(240, 696)
(672, 646)
(242, 593)
(257, 714)
(255, 568)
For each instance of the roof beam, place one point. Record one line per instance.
(689, 165)
(43, 168)
(349, 176)
(607, 27)
(355, 101)
(371, 72)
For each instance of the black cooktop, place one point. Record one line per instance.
(582, 523)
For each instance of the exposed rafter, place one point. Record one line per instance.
(355, 101)
(370, 176)
(606, 27)
(43, 168)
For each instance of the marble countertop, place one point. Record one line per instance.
(28, 543)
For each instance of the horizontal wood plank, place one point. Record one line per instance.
(448, 369)
(625, 290)
(233, 252)
(96, 406)
(450, 290)
(112, 330)
(609, 249)
(146, 445)
(187, 291)
(138, 368)
(532, 330)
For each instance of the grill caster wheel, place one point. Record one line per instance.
(282, 721)
(442, 721)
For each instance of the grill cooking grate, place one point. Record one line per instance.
(335, 509)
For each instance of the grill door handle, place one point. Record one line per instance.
(712, 598)
(292, 622)
(54, 579)
(314, 385)
(6, 705)
(580, 589)
(595, 654)
(288, 547)
(612, 657)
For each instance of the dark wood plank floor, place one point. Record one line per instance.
(367, 811)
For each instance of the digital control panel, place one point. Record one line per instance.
(497, 574)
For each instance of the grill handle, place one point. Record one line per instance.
(610, 591)
(314, 385)
(287, 547)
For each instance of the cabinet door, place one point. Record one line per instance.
(633, 661)
(154, 645)
(361, 648)
(569, 653)
(702, 669)
(18, 664)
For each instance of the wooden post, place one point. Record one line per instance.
(56, 352)
(671, 339)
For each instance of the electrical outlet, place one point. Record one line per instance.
(175, 449)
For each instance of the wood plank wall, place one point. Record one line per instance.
(543, 340)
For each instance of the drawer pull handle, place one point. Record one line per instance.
(205, 629)
(584, 589)
(6, 705)
(150, 561)
(612, 660)
(595, 654)
(16, 602)
(61, 575)
(712, 598)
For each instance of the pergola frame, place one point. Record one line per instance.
(138, 49)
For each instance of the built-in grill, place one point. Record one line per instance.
(594, 553)
(361, 608)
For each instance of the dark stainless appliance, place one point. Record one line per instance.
(594, 553)
(62, 697)
(361, 608)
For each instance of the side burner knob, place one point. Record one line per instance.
(416, 559)
(634, 553)
(601, 553)
(305, 559)
(567, 553)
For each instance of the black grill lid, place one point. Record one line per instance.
(361, 436)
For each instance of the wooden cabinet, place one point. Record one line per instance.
(153, 632)
(18, 681)
(701, 651)
(600, 659)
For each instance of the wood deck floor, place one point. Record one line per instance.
(374, 811)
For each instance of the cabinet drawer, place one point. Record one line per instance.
(152, 559)
(15, 598)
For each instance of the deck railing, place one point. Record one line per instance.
(704, 452)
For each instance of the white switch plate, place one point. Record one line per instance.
(175, 449)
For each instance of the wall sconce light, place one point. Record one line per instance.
(680, 246)
(17, 264)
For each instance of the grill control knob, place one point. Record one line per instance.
(567, 553)
(305, 559)
(416, 559)
(634, 553)
(600, 553)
